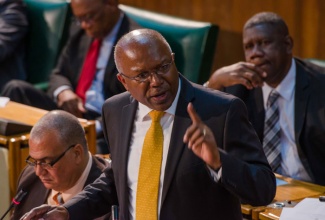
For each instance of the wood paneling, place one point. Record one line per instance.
(304, 19)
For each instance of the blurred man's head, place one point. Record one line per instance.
(146, 68)
(267, 44)
(96, 17)
(58, 149)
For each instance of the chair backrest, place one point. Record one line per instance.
(192, 42)
(318, 62)
(49, 26)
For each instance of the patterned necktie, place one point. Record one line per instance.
(57, 198)
(149, 171)
(88, 69)
(271, 140)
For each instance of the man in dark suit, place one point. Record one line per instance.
(13, 29)
(99, 20)
(269, 66)
(211, 158)
(58, 161)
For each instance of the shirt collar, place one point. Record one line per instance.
(286, 86)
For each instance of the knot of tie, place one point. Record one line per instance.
(156, 115)
(274, 95)
(58, 199)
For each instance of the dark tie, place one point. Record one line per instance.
(88, 69)
(271, 140)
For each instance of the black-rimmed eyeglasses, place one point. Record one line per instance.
(144, 76)
(45, 165)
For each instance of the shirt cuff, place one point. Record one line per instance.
(58, 91)
(215, 174)
(98, 125)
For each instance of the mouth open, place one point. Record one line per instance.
(159, 97)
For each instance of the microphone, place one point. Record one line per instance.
(15, 201)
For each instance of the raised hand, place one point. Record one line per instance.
(201, 141)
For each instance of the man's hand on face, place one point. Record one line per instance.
(246, 74)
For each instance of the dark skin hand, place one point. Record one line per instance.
(247, 74)
(201, 141)
(70, 102)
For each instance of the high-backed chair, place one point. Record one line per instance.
(192, 42)
(49, 26)
(318, 62)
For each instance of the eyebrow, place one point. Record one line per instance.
(135, 69)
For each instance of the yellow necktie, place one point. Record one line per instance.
(149, 171)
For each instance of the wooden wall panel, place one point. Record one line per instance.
(304, 18)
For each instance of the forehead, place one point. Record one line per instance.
(81, 7)
(259, 32)
(45, 146)
(144, 53)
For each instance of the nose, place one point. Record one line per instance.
(84, 24)
(39, 170)
(257, 51)
(155, 78)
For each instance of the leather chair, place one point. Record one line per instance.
(317, 62)
(192, 42)
(49, 26)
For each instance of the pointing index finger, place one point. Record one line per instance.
(192, 113)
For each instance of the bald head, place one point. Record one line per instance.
(270, 19)
(147, 69)
(144, 38)
(67, 127)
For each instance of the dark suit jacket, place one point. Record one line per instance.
(13, 29)
(309, 116)
(68, 69)
(188, 190)
(36, 192)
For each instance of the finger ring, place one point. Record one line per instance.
(204, 132)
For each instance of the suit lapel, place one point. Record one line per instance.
(302, 94)
(177, 146)
(257, 114)
(301, 99)
(124, 134)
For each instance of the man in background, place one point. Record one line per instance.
(13, 29)
(59, 164)
(179, 151)
(276, 85)
(85, 74)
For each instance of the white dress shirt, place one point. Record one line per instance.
(291, 164)
(141, 125)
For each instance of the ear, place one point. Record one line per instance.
(122, 80)
(78, 153)
(288, 43)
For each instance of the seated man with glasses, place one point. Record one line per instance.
(59, 163)
(85, 75)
